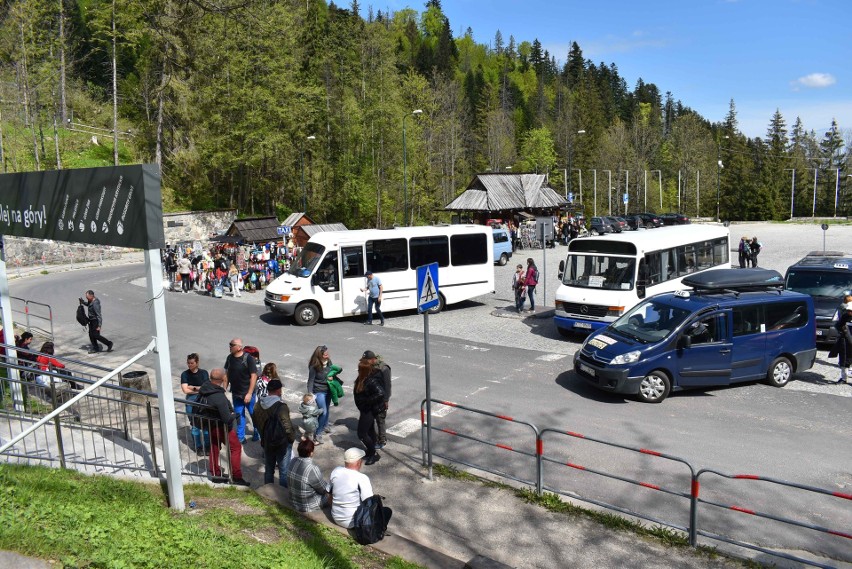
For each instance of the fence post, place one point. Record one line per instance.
(539, 463)
(151, 434)
(57, 424)
(693, 510)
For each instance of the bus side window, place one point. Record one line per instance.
(353, 262)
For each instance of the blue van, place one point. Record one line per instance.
(502, 246)
(735, 325)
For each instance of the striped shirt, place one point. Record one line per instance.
(307, 486)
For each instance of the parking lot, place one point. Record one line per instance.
(484, 319)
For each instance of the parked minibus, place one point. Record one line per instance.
(604, 276)
(735, 325)
(326, 279)
(827, 277)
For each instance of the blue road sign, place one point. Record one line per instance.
(625, 198)
(284, 230)
(571, 197)
(427, 287)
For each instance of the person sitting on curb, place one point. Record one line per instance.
(222, 422)
(349, 487)
(308, 489)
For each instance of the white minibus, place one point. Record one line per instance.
(603, 277)
(326, 279)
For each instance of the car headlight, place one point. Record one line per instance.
(627, 358)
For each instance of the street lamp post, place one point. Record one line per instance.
(816, 170)
(792, 191)
(595, 205)
(302, 164)
(609, 185)
(660, 180)
(718, 173)
(570, 164)
(580, 174)
(404, 173)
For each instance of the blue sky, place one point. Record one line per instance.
(792, 55)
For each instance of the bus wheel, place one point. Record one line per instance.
(654, 387)
(439, 307)
(504, 258)
(307, 314)
(779, 372)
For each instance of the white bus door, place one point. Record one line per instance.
(325, 285)
(353, 301)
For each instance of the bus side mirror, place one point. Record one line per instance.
(685, 341)
(561, 269)
(314, 279)
(640, 290)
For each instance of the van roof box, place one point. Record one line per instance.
(736, 280)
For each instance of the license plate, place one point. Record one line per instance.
(587, 369)
(820, 332)
(585, 325)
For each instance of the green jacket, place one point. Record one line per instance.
(335, 385)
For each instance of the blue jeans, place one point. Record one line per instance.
(519, 300)
(322, 402)
(240, 408)
(531, 295)
(279, 458)
(374, 302)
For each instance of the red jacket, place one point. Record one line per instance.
(529, 278)
(44, 361)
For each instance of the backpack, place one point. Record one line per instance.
(273, 436)
(536, 274)
(82, 318)
(200, 415)
(369, 523)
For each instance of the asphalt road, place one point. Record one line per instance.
(520, 367)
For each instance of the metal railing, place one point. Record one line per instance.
(111, 429)
(34, 317)
(683, 487)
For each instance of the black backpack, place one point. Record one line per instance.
(82, 317)
(201, 415)
(369, 523)
(273, 435)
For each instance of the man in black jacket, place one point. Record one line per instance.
(275, 453)
(96, 320)
(384, 370)
(221, 416)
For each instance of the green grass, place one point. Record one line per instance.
(97, 521)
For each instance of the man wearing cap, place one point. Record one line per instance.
(374, 297)
(275, 453)
(349, 487)
(383, 371)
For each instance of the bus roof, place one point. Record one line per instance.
(650, 239)
(357, 235)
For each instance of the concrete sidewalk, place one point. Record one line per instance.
(448, 522)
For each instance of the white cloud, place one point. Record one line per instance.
(815, 81)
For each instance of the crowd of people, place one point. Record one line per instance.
(214, 418)
(226, 267)
(748, 250)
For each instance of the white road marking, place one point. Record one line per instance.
(442, 410)
(418, 366)
(483, 388)
(551, 357)
(405, 428)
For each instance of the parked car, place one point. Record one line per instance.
(826, 276)
(673, 218)
(634, 222)
(502, 246)
(704, 337)
(619, 224)
(599, 226)
(650, 220)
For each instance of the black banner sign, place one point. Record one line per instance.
(115, 205)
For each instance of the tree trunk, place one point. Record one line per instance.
(158, 153)
(114, 92)
(63, 106)
(56, 143)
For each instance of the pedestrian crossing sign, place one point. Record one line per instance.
(427, 287)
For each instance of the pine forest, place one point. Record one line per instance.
(276, 106)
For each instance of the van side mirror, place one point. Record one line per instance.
(685, 341)
(314, 279)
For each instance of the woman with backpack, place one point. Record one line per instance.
(370, 400)
(530, 281)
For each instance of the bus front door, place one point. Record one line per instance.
(352, 268)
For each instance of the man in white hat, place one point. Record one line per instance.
(348, 487)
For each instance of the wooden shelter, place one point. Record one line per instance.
(504, 195)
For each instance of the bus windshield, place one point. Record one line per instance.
(819, 283)
(650, 321)
(302, 265)
(605, 272)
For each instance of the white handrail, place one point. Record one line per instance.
(148, 349)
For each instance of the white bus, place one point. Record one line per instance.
(325, 281)
(605, 276)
